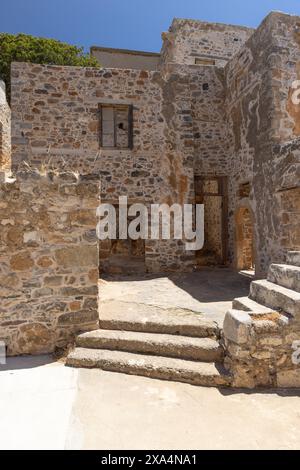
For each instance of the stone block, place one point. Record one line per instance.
(293, 258)
(289, 378)
(77, 256)
(21, 261)
(77, 318)
(237, 326)
(35, 338)
(285, 276)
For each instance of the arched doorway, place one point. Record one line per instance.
(245, 246)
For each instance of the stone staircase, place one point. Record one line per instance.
(262, 331)
(163, 345)
(181, 345)
(279, 292)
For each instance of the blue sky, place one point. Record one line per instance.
(130, 24)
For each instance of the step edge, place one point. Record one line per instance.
(213, 364)
(280, 289)
(140, 336)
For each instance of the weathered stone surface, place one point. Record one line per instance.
(183, 347)
(5, 130)
(289, 378)
(45, 266)
(190, 121)
(248, 305)
(80, 255)
(276, 297)
(79, 317)
(285, 276)
(293, 258)
(151, 319)
(164, 368)
(35, 338)
(191, 39)
(226, 135)
(237, 325)
(267, 358)
(22, 261)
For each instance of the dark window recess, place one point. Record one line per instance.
(116, 129)
(205, 86)
(204, 61)
(244, 190)
(236, 39)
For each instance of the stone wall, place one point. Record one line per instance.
(48, 260)
(261, 336)
(188, 40)
(288, 194)
(253, 104)
(207, 94)
(56, 124)
(5, 138)
(189, 120)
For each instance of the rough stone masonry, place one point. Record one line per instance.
(213, 123)
(48, 260)
(5, 129)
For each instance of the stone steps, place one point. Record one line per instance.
(285, 275)
(153, 320)
(181, 347)
(293, 258)
(276, 297)
(248, 305)
(157, 367)
(162, 343)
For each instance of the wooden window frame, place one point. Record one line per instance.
(115, 106)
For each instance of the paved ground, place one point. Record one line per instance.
(209, 292)
(44, 405)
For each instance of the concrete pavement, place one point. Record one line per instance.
(208, 292)
(44, 405)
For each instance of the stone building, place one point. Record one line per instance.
(212, 119)
(213, 122)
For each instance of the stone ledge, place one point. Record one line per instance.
(237, 326)
(259, 349)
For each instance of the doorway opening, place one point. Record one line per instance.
(121, 256)
(212, 192)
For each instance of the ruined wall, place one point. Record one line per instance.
(188, 40)
(261, 336)
(48, 260)
(56, 124)
(252, 106)
(5, 129)
(259, 349)
(188, 120)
